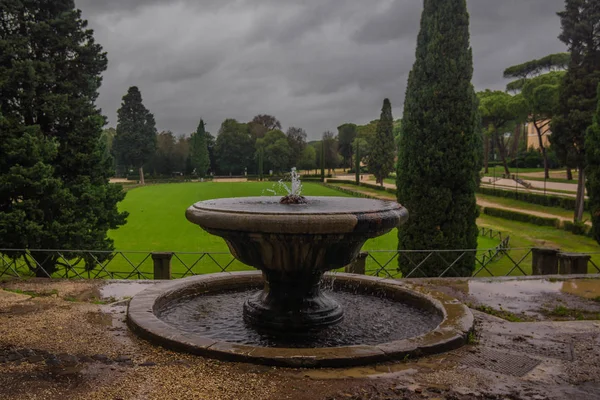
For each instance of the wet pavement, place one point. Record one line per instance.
(68, 339)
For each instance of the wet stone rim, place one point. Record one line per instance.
(450, 334)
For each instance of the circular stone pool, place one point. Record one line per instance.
(384, 320)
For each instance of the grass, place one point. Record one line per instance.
(524, 236)
(32, 293)
(157, 223)
(502, 313)
(562, 313)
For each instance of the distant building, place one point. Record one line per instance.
(532, 136)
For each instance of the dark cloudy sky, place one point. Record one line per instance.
(314, 64)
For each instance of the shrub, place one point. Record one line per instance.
(521, 217)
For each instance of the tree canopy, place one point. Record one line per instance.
(54, 188)
(577, 93)
(135, 142)
(592, 146)
(234, 148)
(381, 160)
(199, 155)
(439, 147)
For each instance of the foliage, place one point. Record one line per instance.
(135, 141)
(261, 124)
(171, 156)
(54, 190)
(234, 149)
(522, 217)
(381, 160)
(106, 141)
(551, 62)
(592, 145)
(277, 151)
(346, 135)
(439, 150)
(578, 92)
(296, 138)
(308, 159)
(500, 112)
(332, 158)
(199, 156)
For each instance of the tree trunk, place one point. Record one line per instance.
(142, 182)
(486, 153)
(514, 151)
(569, 174)
(502, 151)
(580, 201)
(543, 149)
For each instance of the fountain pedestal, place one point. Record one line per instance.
(292, 303)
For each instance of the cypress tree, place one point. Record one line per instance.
(135, 141)
(54, 178)
(439, 148)
(577, 93)
(199, 151)
(592, 152)
(381, 160)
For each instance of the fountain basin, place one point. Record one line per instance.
(144, 318)
(293, 245)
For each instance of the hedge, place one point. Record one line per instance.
(363, 184)
(521, 217)
(551, 201)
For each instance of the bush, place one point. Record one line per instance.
(577, 228)
(521, 217)
(533, 198)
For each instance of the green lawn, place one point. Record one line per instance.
(157, 223)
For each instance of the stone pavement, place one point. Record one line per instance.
(58, 341)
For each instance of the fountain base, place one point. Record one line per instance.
(291, 304)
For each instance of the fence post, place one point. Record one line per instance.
(573, 263)
(358, 266)
(544, 261)
(162, 265)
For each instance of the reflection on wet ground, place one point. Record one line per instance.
(532, 297)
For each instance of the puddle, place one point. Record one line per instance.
(587, 288)
(121, 290)
(526, 296)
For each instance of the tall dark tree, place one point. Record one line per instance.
(381, 161)
(54, 181)
(331, 158)
(199, 155)
(577, 93)
(592, 153)
(346, 135)
(135, 142)
(234, 149)
(296, 138)
(440, 150)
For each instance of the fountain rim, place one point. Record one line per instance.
(304, 209)
(382, 216)
(451, 333)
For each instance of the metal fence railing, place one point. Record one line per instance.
(83, 264)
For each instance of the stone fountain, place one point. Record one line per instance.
(294, 241)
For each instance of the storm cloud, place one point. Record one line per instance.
(314, 64)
